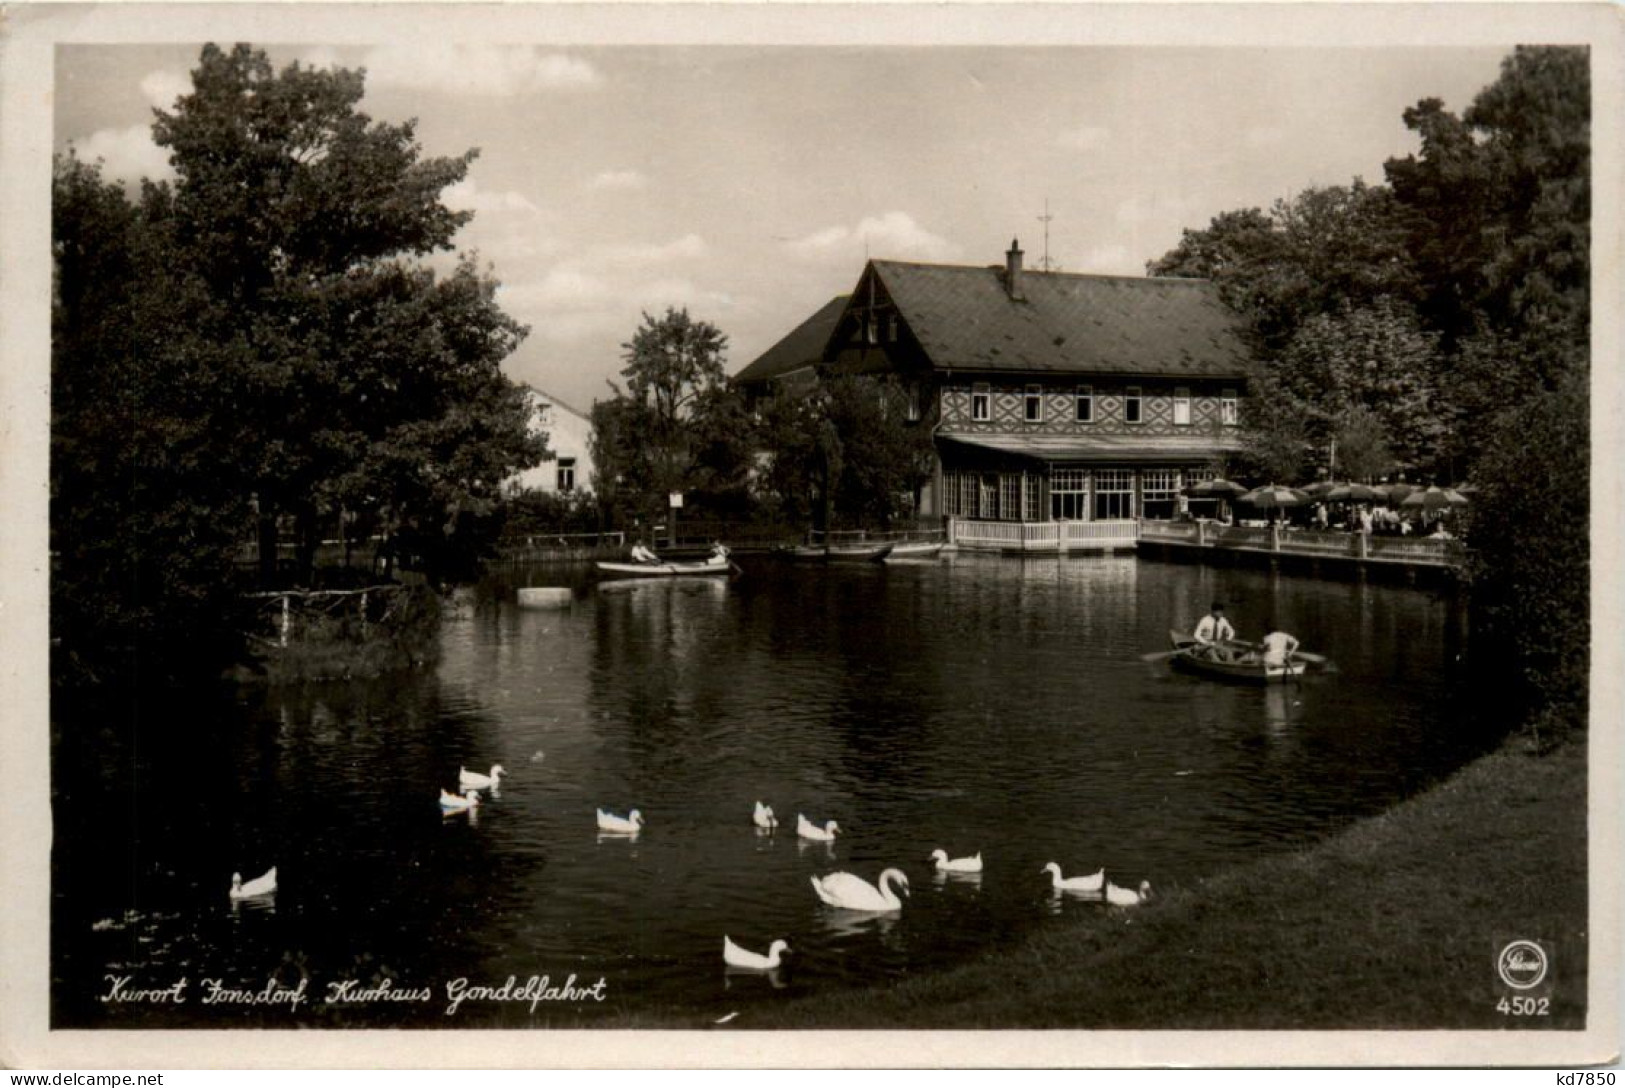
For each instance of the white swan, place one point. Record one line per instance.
(764, 818)
(734, 956)
(620, 825)
(854, 893)
(472, 780)
(809, 830)
(452, 802)
(1127, 897)
(1091, 883)
(956, 865)
(260, 885)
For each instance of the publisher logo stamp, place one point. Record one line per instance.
(1522, 964)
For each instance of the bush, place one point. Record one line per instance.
(1531, 552)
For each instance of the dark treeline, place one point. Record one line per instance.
(837, 454)
(256, 350)
(1438, 326)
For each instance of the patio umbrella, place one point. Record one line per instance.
(1435, 498)
(1215, 489)
(1398, 493)
(1274, 498)
(1319, 489)
(1355, 493)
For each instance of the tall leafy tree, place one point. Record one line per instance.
(301, 219)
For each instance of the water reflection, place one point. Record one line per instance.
(985, 702)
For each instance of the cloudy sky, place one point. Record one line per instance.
(749, 183)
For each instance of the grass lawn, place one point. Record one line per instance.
(1394, 923)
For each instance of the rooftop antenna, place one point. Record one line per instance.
(1045, 263)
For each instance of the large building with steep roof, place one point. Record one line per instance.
(1051, 396)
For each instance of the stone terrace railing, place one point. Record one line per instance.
(1359, 547)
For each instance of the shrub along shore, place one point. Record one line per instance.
(1394, 923)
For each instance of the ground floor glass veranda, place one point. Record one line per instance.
(1069, 492)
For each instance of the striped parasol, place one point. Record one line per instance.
(1435, 498)
(1356, 493)
(1215, 489)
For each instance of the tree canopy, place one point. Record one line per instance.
(266, 319)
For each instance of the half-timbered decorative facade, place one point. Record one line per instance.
(1051, 396)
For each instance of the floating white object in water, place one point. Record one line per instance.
(545, 597)
(745, 959)
(946, 864)
(260, 885)
(849, 892)
(629, 824)
(1127, 897)
(538, 756)
(725, 1019)
(1091, 883)
(763, 817)
(452, 802)
(809, 830)
(473, 780)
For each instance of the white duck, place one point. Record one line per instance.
(849, 892)
(1091, 883)
(473, 780)
(629, 824)
(809, 830)
(764, 818)
(1127, 897)
(452, 802)
(260, 885)
(744, 958)
(946, 864)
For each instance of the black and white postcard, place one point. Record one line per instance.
(810, 535)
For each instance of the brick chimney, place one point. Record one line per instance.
(1012, 271)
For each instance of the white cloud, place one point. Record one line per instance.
(618, 179)
(128, 153)
(1264, 136)
(894, 234)
(1112, 260)
(1157, 208)
(1086, 138)
(467, 196)
(486, 70)
(689, 247)
(162, 87)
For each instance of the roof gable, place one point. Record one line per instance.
(801, 347)
(964, 319)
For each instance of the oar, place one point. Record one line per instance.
(1164, 655)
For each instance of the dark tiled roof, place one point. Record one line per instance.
(964, 319)
(803, 346)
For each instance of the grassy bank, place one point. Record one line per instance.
(1392, 924)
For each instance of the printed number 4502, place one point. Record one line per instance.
(1524, 1006)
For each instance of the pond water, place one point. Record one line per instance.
(980, 704)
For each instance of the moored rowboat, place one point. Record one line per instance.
(667, 569)
(1246, 664)
(842, 553)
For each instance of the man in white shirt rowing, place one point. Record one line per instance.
(1213, 633)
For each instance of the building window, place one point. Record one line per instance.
(869, 334)
(1010, 497)
(1032, 404)
(1227, 408)
(1031, 497)
(1085, 404)
(1069, 494)
(1114, 493)
(891, 328)
(913, 402)
(981, 403)
(988, 500)
(1182, 407)
(1131, 404)
(567, 473)
(1159, 492)
(967, 495)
